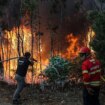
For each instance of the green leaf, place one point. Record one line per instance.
(58, 68)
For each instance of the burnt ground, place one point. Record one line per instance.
(32, 96)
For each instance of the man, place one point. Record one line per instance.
(23, 63)
(91, 71)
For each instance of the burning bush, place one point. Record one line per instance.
(58, 68)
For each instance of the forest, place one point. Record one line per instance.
(53, 31)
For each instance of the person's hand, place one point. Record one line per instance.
(103, 78)
(90, 91)
(33, 59)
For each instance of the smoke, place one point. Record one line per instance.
(11, 14)
(69, 18)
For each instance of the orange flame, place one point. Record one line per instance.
(9, 50)
(73, 49)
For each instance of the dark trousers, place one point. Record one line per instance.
(20, 85)
(1, 73)
(89, 99)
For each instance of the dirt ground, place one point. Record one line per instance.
(32, 96)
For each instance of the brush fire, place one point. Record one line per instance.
(17, 41)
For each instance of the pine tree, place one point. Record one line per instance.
(98, 43)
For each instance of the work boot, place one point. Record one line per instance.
(16, 102)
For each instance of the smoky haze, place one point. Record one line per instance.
(69, 18)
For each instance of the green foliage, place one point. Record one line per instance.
(3, 2)
(58, 68)
(29, 5)
(102, 1)
(78, 5)
(56, 5)
(98, 43)
(1, 14)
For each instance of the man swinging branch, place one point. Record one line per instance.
(23, 64)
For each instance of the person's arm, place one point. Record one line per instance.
(32, 60)
(102, 75)
(103, 78)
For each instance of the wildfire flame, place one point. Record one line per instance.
(11, 40)
(23, 37)
(73, 49)
(90, 36)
